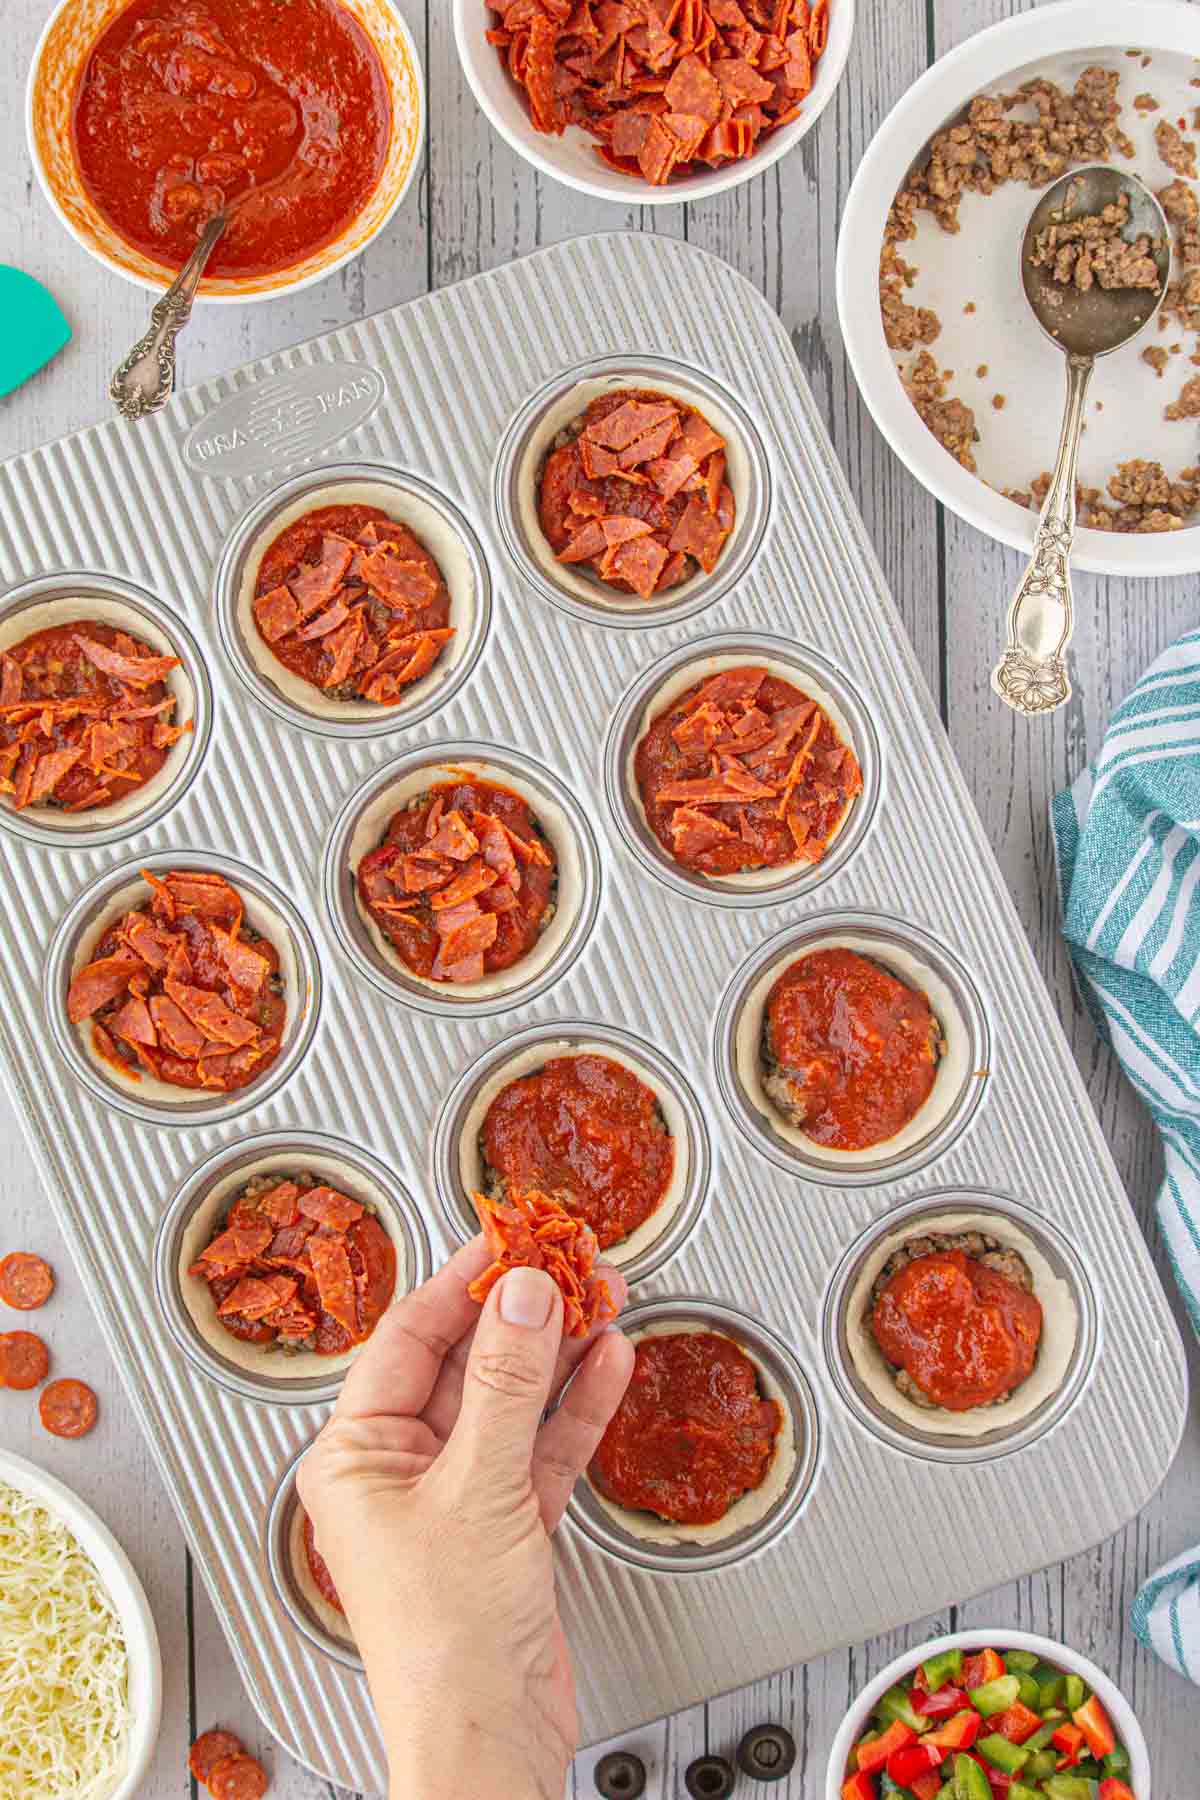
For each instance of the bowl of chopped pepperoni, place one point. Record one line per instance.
(649, 102)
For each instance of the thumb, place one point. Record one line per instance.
(509, 1374)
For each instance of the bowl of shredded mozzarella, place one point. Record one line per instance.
(80, 1669)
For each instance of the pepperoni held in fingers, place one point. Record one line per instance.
(24, 1360)
(68, 1408)
(238, 1778)
(210, 1749)
(26, 1282)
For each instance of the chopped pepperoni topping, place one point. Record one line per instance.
(664, 89)
(351, 601)
(743, 771)
(181, 988)
(637, 491)
(26, 1282)
(24, 1359)
(533, 1230)
(462, 884)
(67, 1408)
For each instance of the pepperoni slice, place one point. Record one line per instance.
(67, 1408)
(238, 1778)
(211, 1748)
(24, 1359)
(26, 1282)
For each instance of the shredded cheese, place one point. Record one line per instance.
(64, 1676)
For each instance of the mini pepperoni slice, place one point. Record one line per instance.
(68, 1408)
(24, 1359)
(26, 1282)
(238, 1778)
(211, 1748)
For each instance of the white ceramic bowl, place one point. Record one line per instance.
(58, 61)
(572, 158)
(1062, 38)
(1111, 1698)
(128, 1596)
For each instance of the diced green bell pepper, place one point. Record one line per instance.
(1050, 1688)
(1041, 1764)
(897, 1704)
(1002, 1753)
(1041, 1737)
(1028, 1691)
(1020, 1662)
(1117, 1761)
(1070, 1787)
(1018, 1791)
(995, 1696)
(1074, 1692)
(970, 1782)
(940, 1669)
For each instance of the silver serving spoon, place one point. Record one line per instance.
(1032, 673)
(145, 381)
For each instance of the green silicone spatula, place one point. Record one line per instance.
(34, 329)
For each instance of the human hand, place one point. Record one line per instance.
(433, 1491)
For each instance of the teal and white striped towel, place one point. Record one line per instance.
(1127, 839)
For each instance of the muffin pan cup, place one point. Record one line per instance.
(647, 965)
(268, 907)
(69, 595)
(531, 435)
(345, 1166)
(647, 1249)
(284, 1547)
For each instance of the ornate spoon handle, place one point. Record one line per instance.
(1032, 673)
(145, 380)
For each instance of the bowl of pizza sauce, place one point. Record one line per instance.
(302, 121)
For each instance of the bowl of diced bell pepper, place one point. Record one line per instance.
(990, 1716)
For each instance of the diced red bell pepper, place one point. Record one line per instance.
(958, 1733)
(919, 1683)
(984, 1667)
(926, 1787)
(859, 1787)
(1068, 1739)
(1017, 1723)
(1096, 1727)
(1115, 1789)
(874, 1756)
(943, 1705)
(914, 1759)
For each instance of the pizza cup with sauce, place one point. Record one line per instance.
(478, 849)
(803, 791)
(139, 214)
(140, 733)
(578, 1107)
(259, 1364)
(224, 1036)
(343, 601)
(889, 1045)
(300, 1577)
(553, 421)
(729, 1466)
(961, 1326)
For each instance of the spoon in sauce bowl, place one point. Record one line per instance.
(1095, 261)
(145, 380)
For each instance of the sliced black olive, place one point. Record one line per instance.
(767, 1753)
(620, 1776)
(709, 1778)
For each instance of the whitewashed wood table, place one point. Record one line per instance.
(477, 206)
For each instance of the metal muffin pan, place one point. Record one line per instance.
(653, 962)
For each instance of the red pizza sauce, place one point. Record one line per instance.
(318, 1568)
(278, 113)
(350, 600)
(85, 716)
(856, 1050)
(635, 491)
(298, 1264)
(693, 1432)
(966, 1334)
(463, 884)
(184, 988)
(743, 772)
(587, 1130)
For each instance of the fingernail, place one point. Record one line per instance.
(526, 1296)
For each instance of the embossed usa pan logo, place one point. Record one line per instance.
(283, 419)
